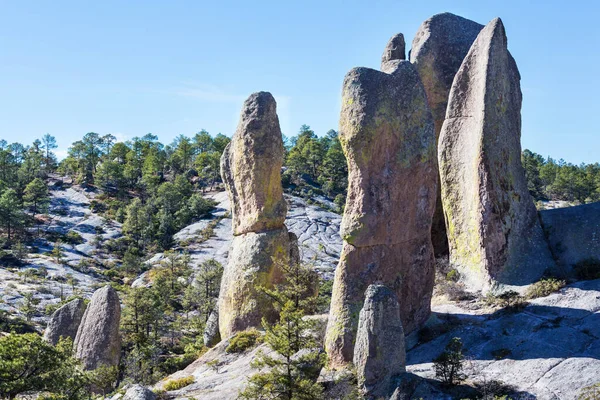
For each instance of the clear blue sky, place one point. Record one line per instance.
(175, 67)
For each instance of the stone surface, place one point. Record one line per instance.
(554, 351)
(251, 167)
(65, 321)
(379, 353)
(573, 234)
(138, 392)
(211, 331)
(98, 342)
(494, 233)
(386, 131)
(549, 350)
(438, 50)
(395, 50)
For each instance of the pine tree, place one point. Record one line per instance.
(289, 374)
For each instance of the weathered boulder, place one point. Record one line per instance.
(394, 50)
(211, 334)
(379, 353)
(98, 342)
(573, 234)
(494, 233)
(438, 50)
(139, 392)
(386, 131)
(251, 169)
(65, 321)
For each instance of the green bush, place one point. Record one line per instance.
(587, 269)
(244, 340)
(176, 384)
(544, 287)
(449, 364)
(591, 392)
(73, 237)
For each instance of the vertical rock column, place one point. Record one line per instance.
(251, 169)
(387, 134)
(380, 353)
(494, 233)
(98, 342)
(438, 49)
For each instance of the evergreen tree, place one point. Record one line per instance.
(36, 195)
(11, 212)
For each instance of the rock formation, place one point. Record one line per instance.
(573, 234)
(98, 342)
(494, 233)
(251, 169)
(386, 131)
(379, 353)
(211, 336)
(65, 321)
(438, 49)
(395, 50)
(138, 392)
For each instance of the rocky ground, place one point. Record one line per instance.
(548, 350)
(317, 230)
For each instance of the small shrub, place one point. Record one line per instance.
(176, 384)
(544, 287)
(244, 340)
(510, 301)
(214, 365)
(449, 364)
(587, 269)
(591, 392)
(452, 275)
(73, 237)
(500, 354)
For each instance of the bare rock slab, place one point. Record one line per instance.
(65, 321)
(438, 50)
(98, 342)
(379, 353)
(494, 233)
(386, 131)
(573, 234)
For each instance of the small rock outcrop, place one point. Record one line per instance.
(379, 353)
(438, 50)
(139, 392)
(494, 233)
(573, 234)
(98, 342)
(211, 335)
(65, 321)
(386, 131)
(251, 169)
(395, 50)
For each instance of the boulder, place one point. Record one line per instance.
(98, 342)
(573, 234)
(211, 330)
(494, 233)
(139, 392)
(386, 131)
(438, 50)
(251, 169)
(394, 50)
(65, 321)
(379, 353)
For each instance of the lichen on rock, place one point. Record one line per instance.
(387, 135)
(494, 233)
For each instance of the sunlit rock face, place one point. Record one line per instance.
(494, 233)
(251, 169)
(438, 50)
(387, 134)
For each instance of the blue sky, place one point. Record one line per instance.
(175, 67)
